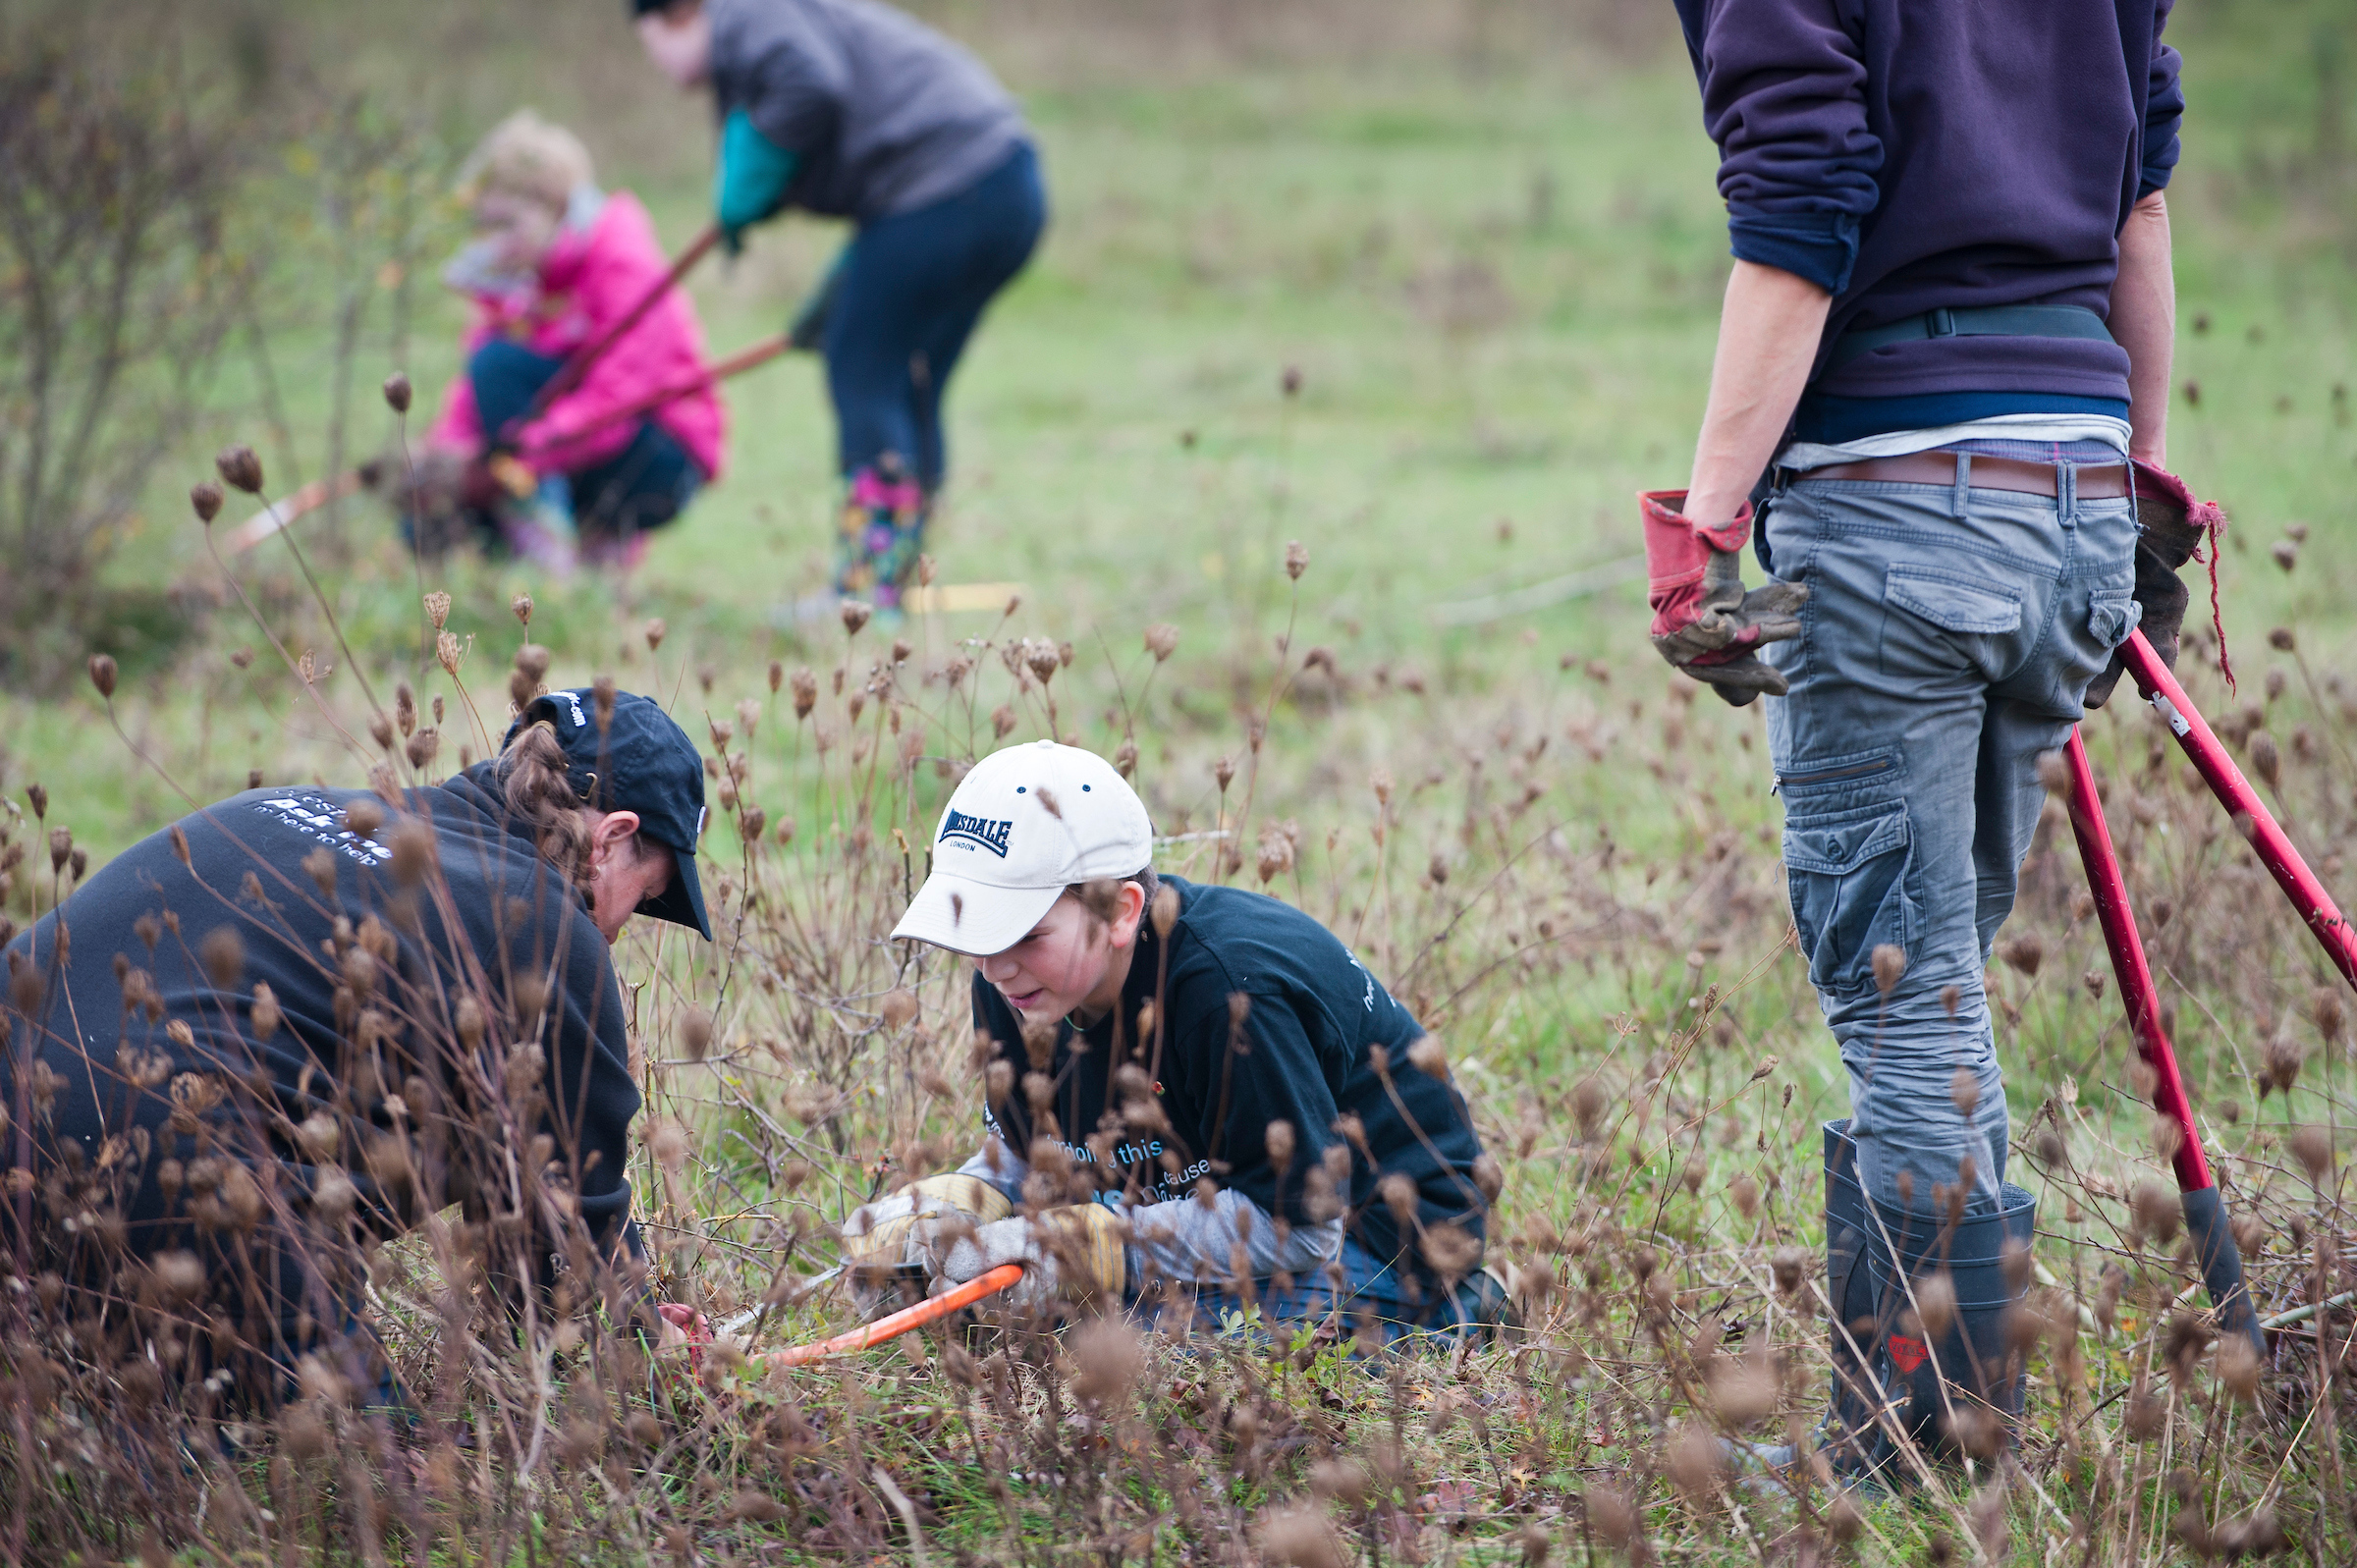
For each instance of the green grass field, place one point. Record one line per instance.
(1499, 290)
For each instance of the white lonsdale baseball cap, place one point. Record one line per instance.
(1027, 823)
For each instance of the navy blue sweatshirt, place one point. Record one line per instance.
(1300, 1053)
(158, 1064)
(1909, 155)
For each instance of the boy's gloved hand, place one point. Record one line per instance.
(899, 1232)
(1703, 622)
(2170, 525)
(752, 179)
(1072, 1257)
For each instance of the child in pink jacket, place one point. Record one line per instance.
(555, 264)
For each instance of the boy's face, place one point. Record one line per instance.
(1073, 962)
(678, 39)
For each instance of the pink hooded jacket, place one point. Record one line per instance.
(589, 279)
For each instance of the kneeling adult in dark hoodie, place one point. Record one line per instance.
(299, 1020)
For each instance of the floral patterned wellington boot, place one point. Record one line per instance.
(882, 534)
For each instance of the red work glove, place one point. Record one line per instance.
(1703, 622)
(692, 1325)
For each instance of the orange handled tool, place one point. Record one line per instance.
(900, 1323)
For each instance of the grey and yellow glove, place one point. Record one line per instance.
(1072, 1257)
(882, 1239)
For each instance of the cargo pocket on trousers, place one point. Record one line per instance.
(2111, 615)
(1848, 876)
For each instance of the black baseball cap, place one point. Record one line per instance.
(640, 761)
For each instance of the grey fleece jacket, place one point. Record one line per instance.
(884, 114)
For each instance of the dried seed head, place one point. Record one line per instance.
(224, 955)
(1936, 1304)
(1300, 1538)
(206, 498)
(522, 604)
(397, 393)
(2312, 1146)
(2266, 760)
(1890, 966)
(1297, 558)
(240, 468)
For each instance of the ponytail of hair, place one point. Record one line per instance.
(537, 785)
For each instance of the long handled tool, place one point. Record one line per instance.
(900, 1323)
(2205, 1217)
(262, 524)
(2210, 758)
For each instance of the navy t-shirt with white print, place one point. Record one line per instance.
(1301, 1054)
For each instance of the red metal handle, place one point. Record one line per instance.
(760, 354)
(2210, 758)
(900, 1323)
(2136, 990)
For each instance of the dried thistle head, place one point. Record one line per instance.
(240, 468)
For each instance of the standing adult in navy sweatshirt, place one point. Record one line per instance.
(1942, 381)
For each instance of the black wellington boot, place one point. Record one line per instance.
(1940, 1314)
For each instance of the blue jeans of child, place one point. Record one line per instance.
(1949, 636)
(643, 486)
(1400, 1303)
(913, 287)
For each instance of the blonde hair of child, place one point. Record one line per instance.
(527, 157)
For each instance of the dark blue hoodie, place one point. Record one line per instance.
(1910, 155)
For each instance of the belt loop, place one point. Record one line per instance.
(2067, 494)
(1963, 483)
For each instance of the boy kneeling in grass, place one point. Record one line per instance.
(1198, 1098)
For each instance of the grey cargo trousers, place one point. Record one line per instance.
(1949, 636)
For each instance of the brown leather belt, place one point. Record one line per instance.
(2106, 483)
